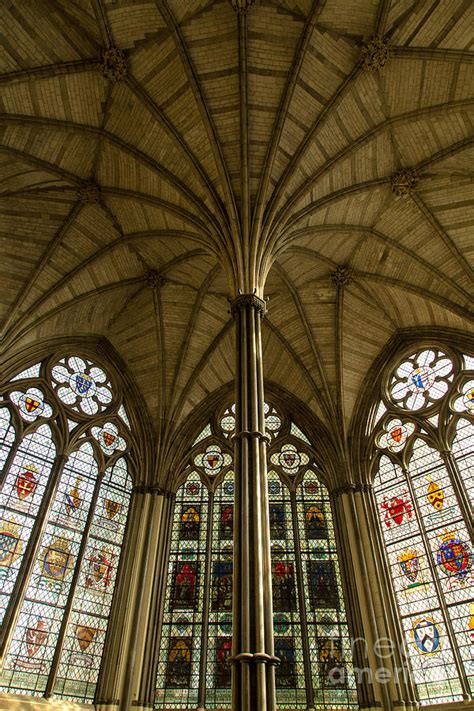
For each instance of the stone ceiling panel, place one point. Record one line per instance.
(129, 209)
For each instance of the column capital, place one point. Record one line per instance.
(248, 301)
(363, 488)
(339, 490)
(152, 489)
(348, 488)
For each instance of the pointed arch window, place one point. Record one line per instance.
(310, 627)
(424, 446)
(64, 499)
(196, 636)
(311, 632)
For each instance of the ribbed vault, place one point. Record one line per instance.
(219, 151)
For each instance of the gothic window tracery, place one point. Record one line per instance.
(310, 628)
(65, 492)
(424, 447)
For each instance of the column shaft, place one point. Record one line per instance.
(253, 660)
(123, 663)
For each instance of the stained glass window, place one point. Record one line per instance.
(329, 641)
(220, 616)
(196, 636)
(311, 635)
(422, 485)
(290, 678)
(180, 649)
(62, 524)
(305, 568)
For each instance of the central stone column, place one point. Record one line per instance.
(253, 660)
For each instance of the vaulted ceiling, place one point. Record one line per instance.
(207, 151)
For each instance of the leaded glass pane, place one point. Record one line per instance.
(80, 659)
(421, 615)
(218, 693)
(36, 633)
(426, 537)
(20, 499)
(296, 432)
(421, 379)
(7, 437)
(81, 385)
(290, 678)
(32, 372)
(180, 649)
(46, 645)
(31, 404)
(463, 452)
(328, 633)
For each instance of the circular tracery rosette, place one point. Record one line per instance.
(81, 385)
(31, 404)
(289, 459)
(465, 401)
(213, 460)
(395, 435)
(421, 379)
(109, 439)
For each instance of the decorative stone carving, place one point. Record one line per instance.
(348, 488)
(89, 192)
(241, 6)
(248, 300)
(403, 182)
(342, 276)
(153, 281)
(152, 489)
(113, 64)
(375, 54)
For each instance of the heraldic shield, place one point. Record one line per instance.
(454, 556)
(83, 383)
(56, 560)
(31, 404)
(112, 508)
(84, 636)
(26, 483)
(410, 564)
(10, 544)
(426, 636)
(99, 570)
(35, 637)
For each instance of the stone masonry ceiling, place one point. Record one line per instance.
(158, 155)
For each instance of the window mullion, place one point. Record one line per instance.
(29, 558)
(439, 591)
(302, 603)
(459, 490)
(72, 590)
(11, 457)
(206, 604)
